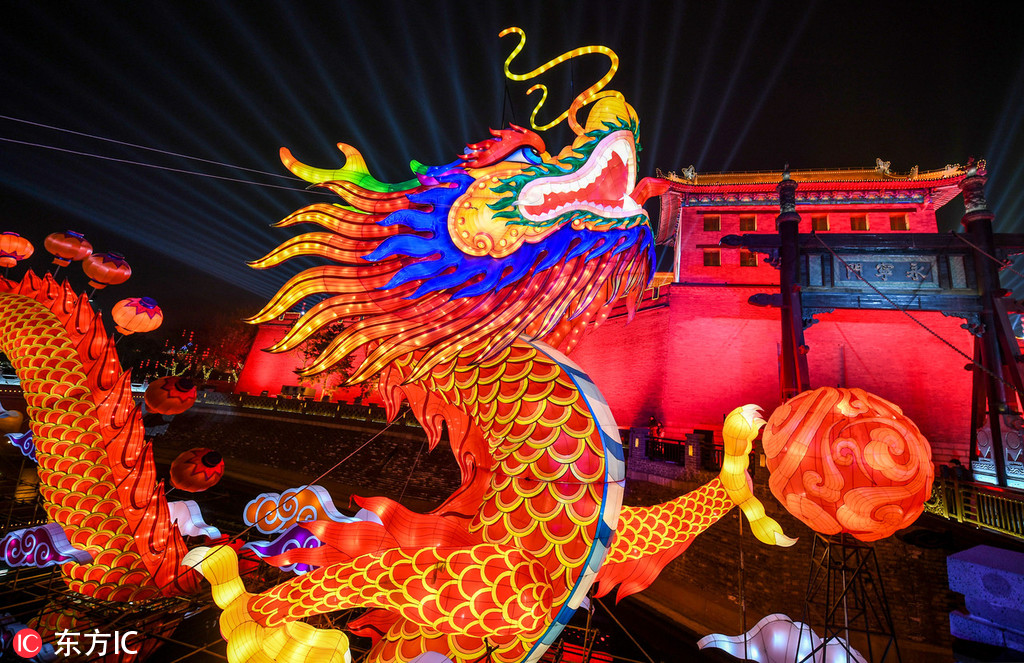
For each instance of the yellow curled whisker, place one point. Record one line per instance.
(591, 94)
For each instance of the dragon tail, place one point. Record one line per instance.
(648, 538)
(96, 471)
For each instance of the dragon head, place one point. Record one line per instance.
(528, 195)
(505, 241)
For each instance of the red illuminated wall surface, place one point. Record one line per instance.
(266, 372)
(269, 372)
(700, 349)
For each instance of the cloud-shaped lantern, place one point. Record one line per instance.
(846, 460)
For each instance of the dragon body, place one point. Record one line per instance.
(466, 286)
(95, 467)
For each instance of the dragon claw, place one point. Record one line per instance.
(784, 541)
(740, 429)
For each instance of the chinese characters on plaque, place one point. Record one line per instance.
(886, 272)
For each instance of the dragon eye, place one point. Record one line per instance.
(525, 155)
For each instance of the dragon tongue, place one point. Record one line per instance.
(607, 190)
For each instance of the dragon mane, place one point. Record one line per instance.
(404, 287)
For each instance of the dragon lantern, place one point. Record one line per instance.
(466, 286)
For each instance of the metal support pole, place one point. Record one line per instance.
(846, 598)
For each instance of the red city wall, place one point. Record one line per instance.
(698, 351)
(269, 372)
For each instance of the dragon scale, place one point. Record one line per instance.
(94, 467)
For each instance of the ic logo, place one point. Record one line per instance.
(27, 643)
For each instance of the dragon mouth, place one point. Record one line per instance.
(602, 186)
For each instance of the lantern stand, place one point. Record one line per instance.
(845, 592)
(486, 658)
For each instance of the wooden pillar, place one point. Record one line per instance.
(794, 350)
(977, 221)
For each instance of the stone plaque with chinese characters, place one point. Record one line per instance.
(919, 271)
(885, 272)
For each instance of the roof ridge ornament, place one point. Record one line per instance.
(976, 167)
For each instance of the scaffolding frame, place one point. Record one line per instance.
(845, 596)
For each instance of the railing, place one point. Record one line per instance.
(697, 449)
(303, 407)
(667, 450)
(987, 507)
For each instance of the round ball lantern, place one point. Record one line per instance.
(170, 395)
(847, 461)
(136, 314)
(66, 247)
(14, 247)
(105, 269)
(196, 470)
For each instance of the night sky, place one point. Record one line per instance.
(720, 85)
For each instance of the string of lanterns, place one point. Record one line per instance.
(132, 315)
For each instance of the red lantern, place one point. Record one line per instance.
(137, 314)
(67, 246)
(105, 269)
(170, 395)
(845, 460)
(13, 247)
(196, 470)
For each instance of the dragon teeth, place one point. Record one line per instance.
(536, 193)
